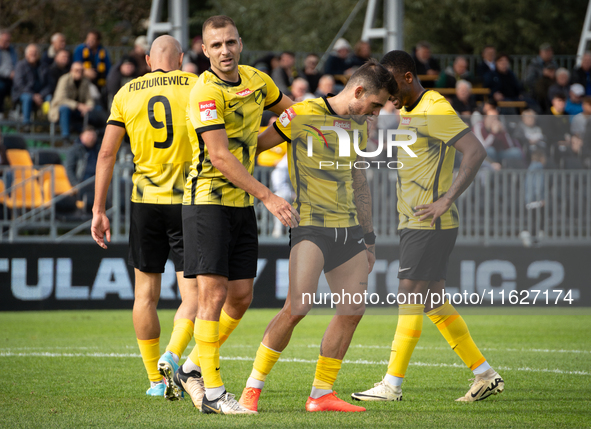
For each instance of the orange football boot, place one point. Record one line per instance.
(330, 402)
(250, 398)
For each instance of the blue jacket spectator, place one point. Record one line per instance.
(502, 82)
(95, 58)
(582, 74)
(337, 64)
(574, 104)
(487, 65)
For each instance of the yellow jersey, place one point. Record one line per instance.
(319, 172)
(152, 109)
(236, 107)
(424, 179)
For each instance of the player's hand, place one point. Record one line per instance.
(100, 227)
(434, 210)
(282, 210)
(371, 256)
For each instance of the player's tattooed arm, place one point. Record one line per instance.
(362, 199)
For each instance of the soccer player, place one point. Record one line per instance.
(219, 223)
(152, 110)
(428, 229)
(334, 203)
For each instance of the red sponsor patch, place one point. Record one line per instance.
(206, 105)
(244, 92)
(291, 113)
(345, 125)
(287, 116)
(405, 121)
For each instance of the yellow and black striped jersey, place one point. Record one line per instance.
(320, 173)
(153, 110)
(424, 179)
(236, 107)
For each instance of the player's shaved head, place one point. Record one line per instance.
(399, 62)
(217, 21)
(165, 53)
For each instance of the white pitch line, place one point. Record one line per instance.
(361, 346)
(287, 360)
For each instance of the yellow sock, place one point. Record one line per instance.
(207, 335)
(408, 332)
(327, 370)
(181, 335)
(264, 362)
(227, 325)
(455, 331)
(150, 351)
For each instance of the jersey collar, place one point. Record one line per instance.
(409, 108)
(161, 71)
(325, 98)
(225, 81)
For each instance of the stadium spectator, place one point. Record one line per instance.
(496, 140)
(283, 75)
(190, 68)
(140, 49)
(30, 87)
(299, 90)
(72, 99)
(574, 104)
(326, 85)
(580, 121)
(58, 43)
(487, 65)
(425, 63)
(534, 195)
(196, 56)
(582, 73)
(266, 63)
(451, 74)
(464, 102)
(556, 127)
(361, 53)
(59, 67)
(95, 59)
(502, 81)
(536, 67)
(542, 86)
(336, 64)
(3, 157)
(529, 134)
(124, 71)
(81, 162)
(8, 60)
(561, 85)
(310, 73)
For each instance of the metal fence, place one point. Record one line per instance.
(552, 207)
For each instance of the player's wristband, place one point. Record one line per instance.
(370, 238)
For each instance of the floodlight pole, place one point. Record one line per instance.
(176, 26)
(585, 35)
(392, 31)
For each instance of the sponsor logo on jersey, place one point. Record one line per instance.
(208, 110)
(287, 116)
(345, 125)
(405, 121)
(244, 92)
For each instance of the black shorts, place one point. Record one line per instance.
(338, 245)
(220, 240)
(155, 231)
(424, 253)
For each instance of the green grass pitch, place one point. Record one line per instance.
(82, 369)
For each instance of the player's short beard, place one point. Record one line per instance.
(355, 112)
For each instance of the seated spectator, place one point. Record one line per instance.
(536, 67)
(326, 86)
(561, 85)
(496, 140)
(580, 121)
(58, 43)
(59, 67)
(196, 56)
(459, 70)
(30, 87)
(299, 90)
(582, 73)
(573, 154)
(556, 127)
(487, 64)
(8, 60)
(542, 86)
(283, 74)
(141, 47)
(81, 163)
(423, 60)
(336, 64)
(124, 71)
(361, 53)
(72, 99)
(464, 102)
(574, 104)
(502, 82)
(95, 59)
(529, 134)
(310, 73)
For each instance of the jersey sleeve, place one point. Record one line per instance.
(116, 117)
(274, 95)
(283, 122)
(206, 108)
(443, 123)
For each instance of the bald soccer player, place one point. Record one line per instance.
(152, 110)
